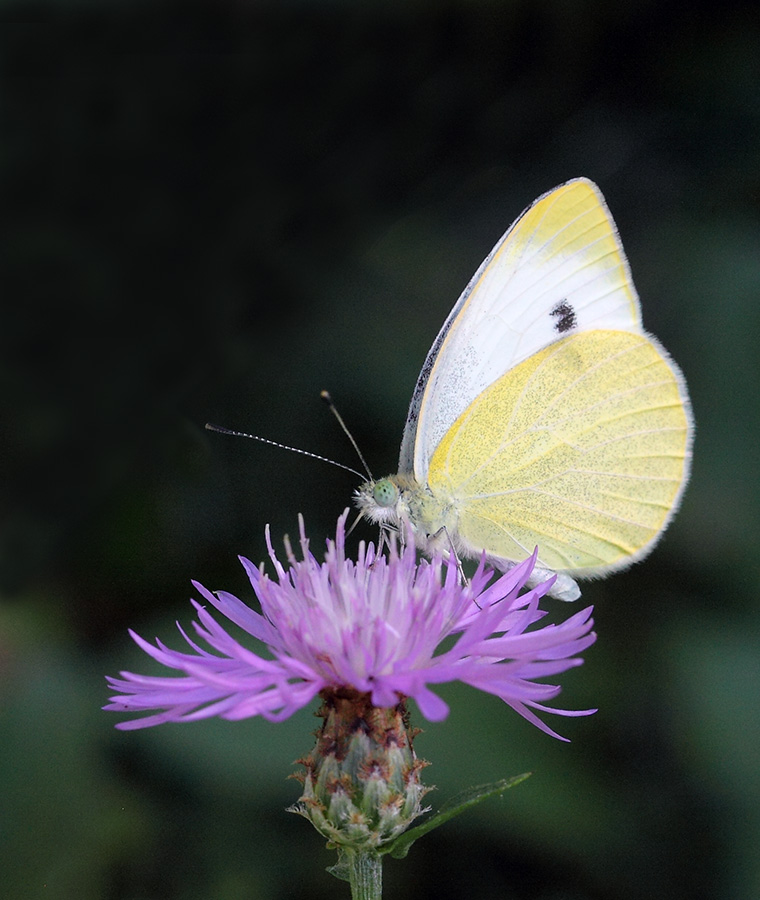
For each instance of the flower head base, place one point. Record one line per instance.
(362, 787)
(371, 626)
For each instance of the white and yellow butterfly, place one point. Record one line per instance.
(544, 414)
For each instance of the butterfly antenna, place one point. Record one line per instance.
(325, 395)
(255, 437)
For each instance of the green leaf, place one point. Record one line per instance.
(341, 868)
(452, 807)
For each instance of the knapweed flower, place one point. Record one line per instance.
(373, 627)
(365, 635)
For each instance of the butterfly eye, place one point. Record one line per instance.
(385, 493)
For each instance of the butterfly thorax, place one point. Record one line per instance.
(398, 499)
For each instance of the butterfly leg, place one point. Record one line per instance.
(452, 551)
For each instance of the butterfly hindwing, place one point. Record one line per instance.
(582, 449)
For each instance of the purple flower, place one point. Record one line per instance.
(374, 626)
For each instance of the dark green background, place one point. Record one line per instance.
(212, 212)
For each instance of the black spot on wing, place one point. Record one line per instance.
(565, 317)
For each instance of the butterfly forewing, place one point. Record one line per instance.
(558, 270)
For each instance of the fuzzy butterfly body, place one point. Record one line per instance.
(544, 414)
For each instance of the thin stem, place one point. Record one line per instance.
(365, 875)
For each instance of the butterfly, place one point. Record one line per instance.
(544, 415)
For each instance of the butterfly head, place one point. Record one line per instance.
(379, 500)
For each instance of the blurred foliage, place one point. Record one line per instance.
(213, 211)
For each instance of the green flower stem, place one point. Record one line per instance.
(365, 874)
